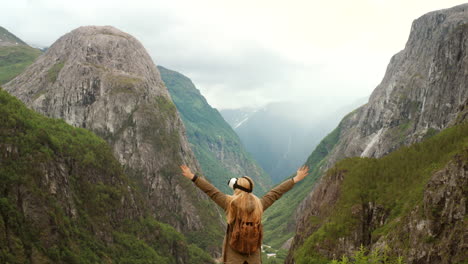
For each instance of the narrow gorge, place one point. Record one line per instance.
(92, 134)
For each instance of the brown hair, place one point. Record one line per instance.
(244, 205)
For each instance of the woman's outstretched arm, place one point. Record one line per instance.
(216, 195)
(275, 193)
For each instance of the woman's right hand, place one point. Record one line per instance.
(301, 173)
(187, 172)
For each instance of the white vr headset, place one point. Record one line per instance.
(233, 184)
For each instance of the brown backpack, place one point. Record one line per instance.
(246, 237)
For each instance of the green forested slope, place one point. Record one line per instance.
(279, 221)
(64, 199)
(394, 184)
(216, 146)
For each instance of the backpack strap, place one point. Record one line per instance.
(228, 236)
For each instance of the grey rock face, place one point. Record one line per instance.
(421, 92)
(424, 91)
(102, 79)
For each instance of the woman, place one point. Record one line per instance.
(242, 205)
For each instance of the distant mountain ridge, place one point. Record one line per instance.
(280, 135)
(216, 146)
(15, 55)
(9, 39)
(236, 117)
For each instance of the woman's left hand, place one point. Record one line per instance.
(301, 173)
(187, 172)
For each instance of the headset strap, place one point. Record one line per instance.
(237, 186)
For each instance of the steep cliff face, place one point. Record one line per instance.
(102, 79)
(65, 199)
(15, 55)
(422, 89)
(423, 92)
(216, 146)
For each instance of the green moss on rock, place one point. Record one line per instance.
(54, 71)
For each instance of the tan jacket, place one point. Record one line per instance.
(229, 255)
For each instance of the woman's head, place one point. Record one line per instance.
(244, 205)
(245, 184)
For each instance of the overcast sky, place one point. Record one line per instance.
(245, 53)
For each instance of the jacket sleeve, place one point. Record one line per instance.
(275, 193)
(216, 195)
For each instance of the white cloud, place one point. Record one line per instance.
(245, 53)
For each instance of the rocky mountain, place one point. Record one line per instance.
(423, 92)
(216, 146)
(102, 79)
(65, 199)
(15, 55)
